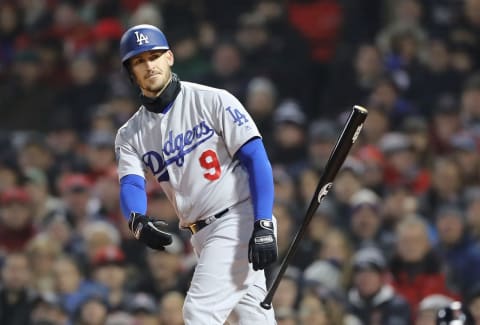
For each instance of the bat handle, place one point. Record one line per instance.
(266, 305)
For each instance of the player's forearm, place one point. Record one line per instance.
(254, 158)
(132, 195)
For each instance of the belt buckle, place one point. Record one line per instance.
(193, 228)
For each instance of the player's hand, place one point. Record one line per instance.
(262, 248)
(149, 231)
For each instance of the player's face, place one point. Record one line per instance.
(152, 70)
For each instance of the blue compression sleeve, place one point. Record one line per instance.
(132, 195)
(254, 158)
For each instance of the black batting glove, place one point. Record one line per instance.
(262, 248)
(149, 231)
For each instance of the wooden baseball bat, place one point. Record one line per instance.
(347, 138)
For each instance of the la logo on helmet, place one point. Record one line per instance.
(141, 38)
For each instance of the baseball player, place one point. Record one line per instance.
(207, 154)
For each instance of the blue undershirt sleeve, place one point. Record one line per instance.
(133, 197)
(253, 157)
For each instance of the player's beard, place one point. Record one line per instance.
(153, 88)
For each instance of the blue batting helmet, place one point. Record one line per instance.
(141, 38)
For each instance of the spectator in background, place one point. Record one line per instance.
(261, 100)
(416, 269)
(106, 34)
(322, 136)
(110, 269)
(284, 38)
(465, 152)
(25, 90)
(472, 212)
(144, 310)
(429, 307)
(373, 161)
(288, 291)
(146, 13)
(462, 60)
(337, 249)
(119, 318)
(376, 126)
(417, 130)
(68, 26)
(445, 123)
(286, 316)
(95, 236)
(402, 42)
(457, 249)
(92, 310)
(190, 62)
(164, 270)
(43, 251)
(16, 220)
(470, 107)
(59, 229)
(324, 274)
(43, 203)
(320, 305)
(289, 146)
(15, 295)
(253, 39)
(10, 27)
(398, 203)
(354, 82)
(465, 31)
(9, 175)
(87, 90)
(307, 183)
(171, 308)
(120, 106)
(228, 69)
(320, 225)
(72, 285)
(347, 182)
(100, 154)
(75, 190)
(371, 298)
(34, 153)
(322, 39)
(446, 187)
(312, 311)
(285, 187)
(64, 143)
(366, 221)
(402, 165)
(48, 309)
(387, 95)
(436, 77)
(102, 124)
(472, 300)
(106, 189)
(285, 230)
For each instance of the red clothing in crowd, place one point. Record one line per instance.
(320, 22)
(415, 281)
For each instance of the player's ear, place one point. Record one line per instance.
(170, 58)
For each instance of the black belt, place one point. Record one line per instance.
(200, 224)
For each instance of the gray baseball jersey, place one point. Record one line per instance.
(192, 145)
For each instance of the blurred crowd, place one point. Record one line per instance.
(396, 239)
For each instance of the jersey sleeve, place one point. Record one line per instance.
(234, 122)
(128, 161)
